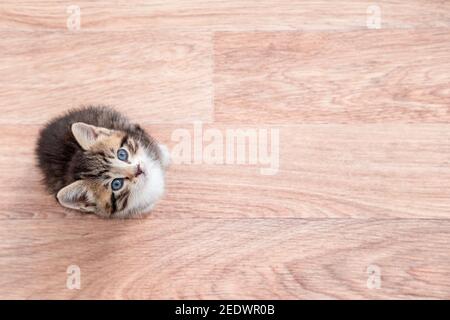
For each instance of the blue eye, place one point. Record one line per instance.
(122, 154)
(117, 184)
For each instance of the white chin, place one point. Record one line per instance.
(147, 191)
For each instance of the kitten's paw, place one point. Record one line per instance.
(165, 155)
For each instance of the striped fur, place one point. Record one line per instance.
(77, 154)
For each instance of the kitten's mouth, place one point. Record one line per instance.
(139, 171)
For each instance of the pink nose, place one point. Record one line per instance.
(138, 171)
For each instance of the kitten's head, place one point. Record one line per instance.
(117, 174)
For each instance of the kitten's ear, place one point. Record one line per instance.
(76, 196)
(86, 134)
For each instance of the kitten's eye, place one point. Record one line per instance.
(117, 184)
(122, 154)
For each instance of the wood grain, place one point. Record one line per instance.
(364, 123)
(326, 171)
(158, 77)
(232, 15)
(326, 77)
(225, 258)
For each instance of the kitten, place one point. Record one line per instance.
(96, 161)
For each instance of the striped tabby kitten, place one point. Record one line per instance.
(96, 161)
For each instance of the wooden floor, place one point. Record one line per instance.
(364, 122)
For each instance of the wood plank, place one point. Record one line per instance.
(160, 77)
(383, 76)
(325, 171)
(364, 123)
(233, 15)
(225, 258)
